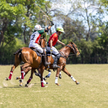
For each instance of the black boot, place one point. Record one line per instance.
(45, 59)
(55, 61)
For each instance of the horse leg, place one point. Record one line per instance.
(49, 74)
(66, 71)
(57, 75)
(23, 72)
(41, 72)
(37, 73)
(31, 76)
(60, 75)
(17, 62)
(26, 71)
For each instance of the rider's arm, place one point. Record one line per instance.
(48, 28)
(51, 43)
(60, 42)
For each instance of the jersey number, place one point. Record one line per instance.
(33, 37)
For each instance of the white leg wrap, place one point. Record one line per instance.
(56, 80)
(60, 73)
(73, 78)
(44, 82)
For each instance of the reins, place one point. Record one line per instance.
(73, 48)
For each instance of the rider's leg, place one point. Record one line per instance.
(45, 57)
(42, 51)
(55, 51)
(55, 61)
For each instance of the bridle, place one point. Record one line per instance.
(72, 48)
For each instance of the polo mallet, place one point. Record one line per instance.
(42, 12)
(49, 20)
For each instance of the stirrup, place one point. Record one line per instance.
(55, 66)
(47, 63)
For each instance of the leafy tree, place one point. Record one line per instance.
(17, 18)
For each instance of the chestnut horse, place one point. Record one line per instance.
(71, 47)
(30, 58)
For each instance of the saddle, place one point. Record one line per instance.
(53, 55)
(37, 52)
(47, 53)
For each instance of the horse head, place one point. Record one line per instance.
(74, 48)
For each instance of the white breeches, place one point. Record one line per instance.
(55, 51)
(38, 47)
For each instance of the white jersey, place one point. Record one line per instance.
(35, 38)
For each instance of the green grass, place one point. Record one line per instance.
(91, 93)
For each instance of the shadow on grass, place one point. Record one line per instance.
(16, 86)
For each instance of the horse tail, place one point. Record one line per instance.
(18, 52)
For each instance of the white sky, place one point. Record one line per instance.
(65, 6)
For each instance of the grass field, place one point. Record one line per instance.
(91, 93)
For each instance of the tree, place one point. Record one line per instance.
(18, 18)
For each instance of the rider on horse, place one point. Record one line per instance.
(52, 42)
(35, 37)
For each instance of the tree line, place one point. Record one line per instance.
(84, 24)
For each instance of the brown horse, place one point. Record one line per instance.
(62, 62)
(30, 58)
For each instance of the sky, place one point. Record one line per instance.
(65, 6)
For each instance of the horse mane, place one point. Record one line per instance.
(71, 42)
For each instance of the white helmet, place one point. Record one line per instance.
(38, 27)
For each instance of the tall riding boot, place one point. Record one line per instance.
(45, 60)
(55, 61)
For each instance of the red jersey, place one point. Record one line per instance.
(54, 38)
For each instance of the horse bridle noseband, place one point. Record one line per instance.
(73, 48)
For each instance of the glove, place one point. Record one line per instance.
(51, 50)
(52, 23)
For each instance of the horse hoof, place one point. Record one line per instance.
(20, 81)
(60, 77)
(47, 76)
(57, 84)
(46, 82)
(20, 85)
(77, 83)
(26, 85)
(6, 79)
(44, 78)
(17, 78)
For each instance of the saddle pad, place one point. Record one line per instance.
(38, 53)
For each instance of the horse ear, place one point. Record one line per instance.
(71, 42)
